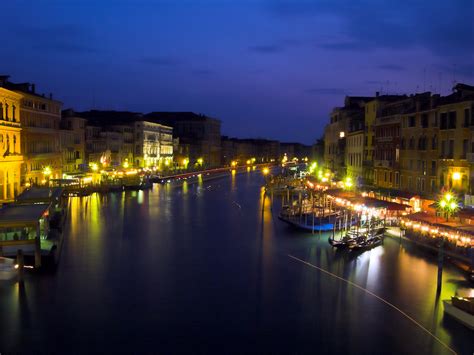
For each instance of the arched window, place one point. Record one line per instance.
(1, 111)
(411, 145)
(6, 112)
(13, 113)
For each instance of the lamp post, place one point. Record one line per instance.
(448, 204)
(47, 173)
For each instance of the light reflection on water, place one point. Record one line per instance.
(210, 258)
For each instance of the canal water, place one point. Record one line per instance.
(209, 268)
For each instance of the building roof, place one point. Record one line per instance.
(40, 194)
(22, 215)
(171, 117)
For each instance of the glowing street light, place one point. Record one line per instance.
(265, 171)
(200, 161)
(94, 167)
(233, 163)
(126, 164)
(47, 171)
(448, 204)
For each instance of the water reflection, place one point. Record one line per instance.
(206, 263)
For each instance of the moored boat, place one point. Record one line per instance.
(461, 308)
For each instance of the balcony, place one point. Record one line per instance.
(383, 163)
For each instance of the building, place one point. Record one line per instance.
(387, 145)
(455, 139)
(198, 135)
(372, 109)
(11, 157)
(40, 138)
(153, 145)
(295, 150)
(73, 143)
(354, 152)
(241, 150)
(419, 145)
(336, 131)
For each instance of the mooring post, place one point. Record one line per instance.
(20, 260)
(440, 263)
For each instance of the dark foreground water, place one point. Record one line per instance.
(201, 269)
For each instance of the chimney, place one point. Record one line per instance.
(33, 88)
(50, 96)
(377, 94)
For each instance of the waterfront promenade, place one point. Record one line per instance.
(208, 267)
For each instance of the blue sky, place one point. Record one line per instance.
(266, 68)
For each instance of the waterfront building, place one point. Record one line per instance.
(200, 135)
(11, 157)
(295, 150)
(455, 139)
(354, 151)
(372, 108)
(387, 144)
(336, 131)
(241, 150)
(153, 145)
(419, 145)
(40, 138)
(73, 143)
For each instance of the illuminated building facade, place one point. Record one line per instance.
(40, 134)
(11, 157)
(153, 145)
(456, 123)
(198, 134)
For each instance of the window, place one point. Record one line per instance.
(13, 113)
(402, 143)
(464, 148)
(433, 167)
(443, 149)
(452, 120)
(411, 144)
(466, 117)
(451, 149)
(6, 112)
(443, 121)
(1, 111)
(434, 143)
(424, 120)
(411, 121)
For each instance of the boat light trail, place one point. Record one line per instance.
(376, 296)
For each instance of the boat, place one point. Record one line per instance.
(306, 221)
(8, 271)
(366, 243)
(461, 308)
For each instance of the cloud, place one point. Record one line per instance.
(68, 39)
(342, 46)
(326, 91)
(371, 24)
(391, 67)
(161, 61)
(267, 49)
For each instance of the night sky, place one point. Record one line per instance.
(266, 68)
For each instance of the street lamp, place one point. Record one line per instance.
(200, 161)
(265, 171)
(94, 167)
(233, 163)
(448, 204)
